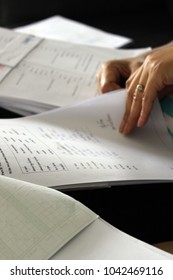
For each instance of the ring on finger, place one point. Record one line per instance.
(140, 88)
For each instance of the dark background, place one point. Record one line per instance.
(144, 211)
(148, 22)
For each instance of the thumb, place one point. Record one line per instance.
(109, 86)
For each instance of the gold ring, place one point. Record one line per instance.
(140, 88)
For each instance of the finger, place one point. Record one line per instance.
(108, 86)
(113, 75)
(133, 104)
(151, 92)
(106, 78)
(129, 100)
(134, 114)
(105, 84)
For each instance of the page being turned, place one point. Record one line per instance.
(81, 144)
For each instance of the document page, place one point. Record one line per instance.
(57, 74)
(57, 27)
(105, 242)
(14, 46)
(35, 222)
(4, 70)
(81, 144)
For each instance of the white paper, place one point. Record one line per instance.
(14, 46)
(4, 70)
(101, 241)
(35, 222)
(81, 144)
(40, 223)
(57, 27)
(54, 73)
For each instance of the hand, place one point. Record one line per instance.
(114, 73)
(154, 75)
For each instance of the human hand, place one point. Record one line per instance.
(113, 73)
(144, 83)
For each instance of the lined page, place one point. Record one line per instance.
(35, 222)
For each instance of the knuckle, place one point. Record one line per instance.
(153, 63)
(107, 64)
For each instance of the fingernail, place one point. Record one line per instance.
(140, 122)
(126, 129)
(121, 127)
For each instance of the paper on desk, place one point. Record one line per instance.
(101, 241)
(14, 46)
(4, 70)
(57, 27)
(40, 223)
(55, 73)
(35, 222)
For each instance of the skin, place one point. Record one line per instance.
(153, 70)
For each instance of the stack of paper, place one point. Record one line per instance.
(40, 223)
(39, 74)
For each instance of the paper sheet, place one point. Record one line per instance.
(14, 46)
(57, 28)
(53, 73)
(81, 144)
(35, 222)
(101, 241)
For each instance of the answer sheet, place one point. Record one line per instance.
(81, 144)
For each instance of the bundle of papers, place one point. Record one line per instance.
(41, 223)
(38, 74)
